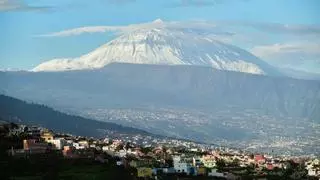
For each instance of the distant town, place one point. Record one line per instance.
(138, 157)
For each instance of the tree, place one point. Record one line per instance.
(119, 147)
(220, 164)
(146, 150)
(235, 163)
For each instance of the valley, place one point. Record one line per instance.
(249, 130)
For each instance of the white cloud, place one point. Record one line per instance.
(101, 29)
(204, 27)
(19, 5)
(286, 28)
(200, 27)
(22, 5)
(82, 30)
(302, 56)
(275, 50)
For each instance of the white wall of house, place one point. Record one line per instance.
(180, 166)
(105, 148)
(78, 146)
(214, 173)
(312, 172)
(58, 143)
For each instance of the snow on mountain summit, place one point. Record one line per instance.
(158, 21)
(163, 46)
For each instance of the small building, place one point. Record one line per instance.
(47, 136)
(194, 149)
(312, 172)
(33, 131)
(169, 170)
(201, 171)
(58, 143)
(34, 147)
(181, 166)
(214, 173)
(92, 146)
(208, 161)
(16, 131)
(259, 159)
(78, 146)
(68, 152)
(84, 143)
(121, 153)
(105, 148)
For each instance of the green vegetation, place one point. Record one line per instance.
(13, 110)
(54, 166)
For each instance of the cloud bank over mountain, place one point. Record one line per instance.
(282, 45)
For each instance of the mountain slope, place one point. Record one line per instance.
(164, 46)
(133, 85)
(198, 103)
(15, 110)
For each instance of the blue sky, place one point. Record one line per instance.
(22, 21)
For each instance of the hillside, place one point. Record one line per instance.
(197, 103)
(133, 85)
(18, 111)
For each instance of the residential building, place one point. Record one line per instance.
(180, 165)
(47, 136)
(214, 173)
(208, 161)
(58, 143)
(196, 161)
(33, 146)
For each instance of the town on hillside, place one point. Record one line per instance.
(33, 152)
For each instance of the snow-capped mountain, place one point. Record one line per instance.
(162, 45)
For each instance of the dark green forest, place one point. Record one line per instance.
(18, 111)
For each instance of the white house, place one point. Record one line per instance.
(312, 172)
(208, 161)
(122, 153)
(105, 148)
(214, 173)
(78, 146)
(92, 145)
(194, 150)
(69, 142)
(181, 166)
(58, 143)
(84, 143)
(18, 130)
(312, 168)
